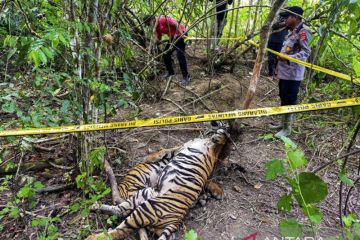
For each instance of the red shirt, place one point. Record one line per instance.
(168, 25)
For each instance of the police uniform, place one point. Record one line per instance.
(291, 73)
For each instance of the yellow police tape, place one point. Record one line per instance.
(306, 64)
(309, 65)
(151, 122)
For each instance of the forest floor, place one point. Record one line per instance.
(250, 203)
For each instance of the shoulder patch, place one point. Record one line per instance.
(303, 36)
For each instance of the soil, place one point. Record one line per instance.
(250, 203)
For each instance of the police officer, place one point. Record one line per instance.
(276, 39)
(290, 74)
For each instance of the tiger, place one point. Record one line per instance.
(145, 174)
(160, 199)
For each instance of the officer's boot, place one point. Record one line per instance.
(286, 129)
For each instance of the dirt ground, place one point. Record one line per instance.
(250, 203)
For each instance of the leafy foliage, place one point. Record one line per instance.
(307, 188)
(291, 228)
(191, 235)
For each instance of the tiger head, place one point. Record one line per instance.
(220, 137)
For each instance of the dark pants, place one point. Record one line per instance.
(180, 52)
(220, 20)
(272, 58)
(288, 91)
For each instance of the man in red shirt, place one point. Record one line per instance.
(171, 27)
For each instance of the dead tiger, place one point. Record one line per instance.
(160, 192)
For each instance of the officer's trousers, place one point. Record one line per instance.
(288, 91)
(179, 47)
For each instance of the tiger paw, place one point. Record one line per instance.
(215, 190)
(100, 236)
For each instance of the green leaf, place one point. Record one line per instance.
(273, 169)
(42, 56)
(267, 136)
(344, 178)
(191, 235)
(356, 66)
(38, 185)
(64, 106)
(39, 222)
(34, 56)
(356, 110)
(349, 220)
(290, 228)
(9, 106)
(288, 143)
(56, 91)
(14, 212)
(11, 53)
(314, 214)
(11, 165)
(285, 203)
(75, 207)
(296, 159)
(85, 212)
(312, 187)
(49, 54)
(97, 157)
(24, 192)
(38, 80)
(356, 229)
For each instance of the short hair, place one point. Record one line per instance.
(147, 19)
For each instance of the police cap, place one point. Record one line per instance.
(292, 11)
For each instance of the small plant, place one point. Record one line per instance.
(351, 226)
(307, 189)
(191, 235)
(46, 224)
(94, 189)
(267, 137)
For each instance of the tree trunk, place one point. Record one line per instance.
(264, 36)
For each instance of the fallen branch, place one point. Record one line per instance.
(33, 166)
(335, 160)
(113, 184)
(182, 109)
(224, 56)
(196, 95)
(56, 188)
(166, 87)
(59, 166)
